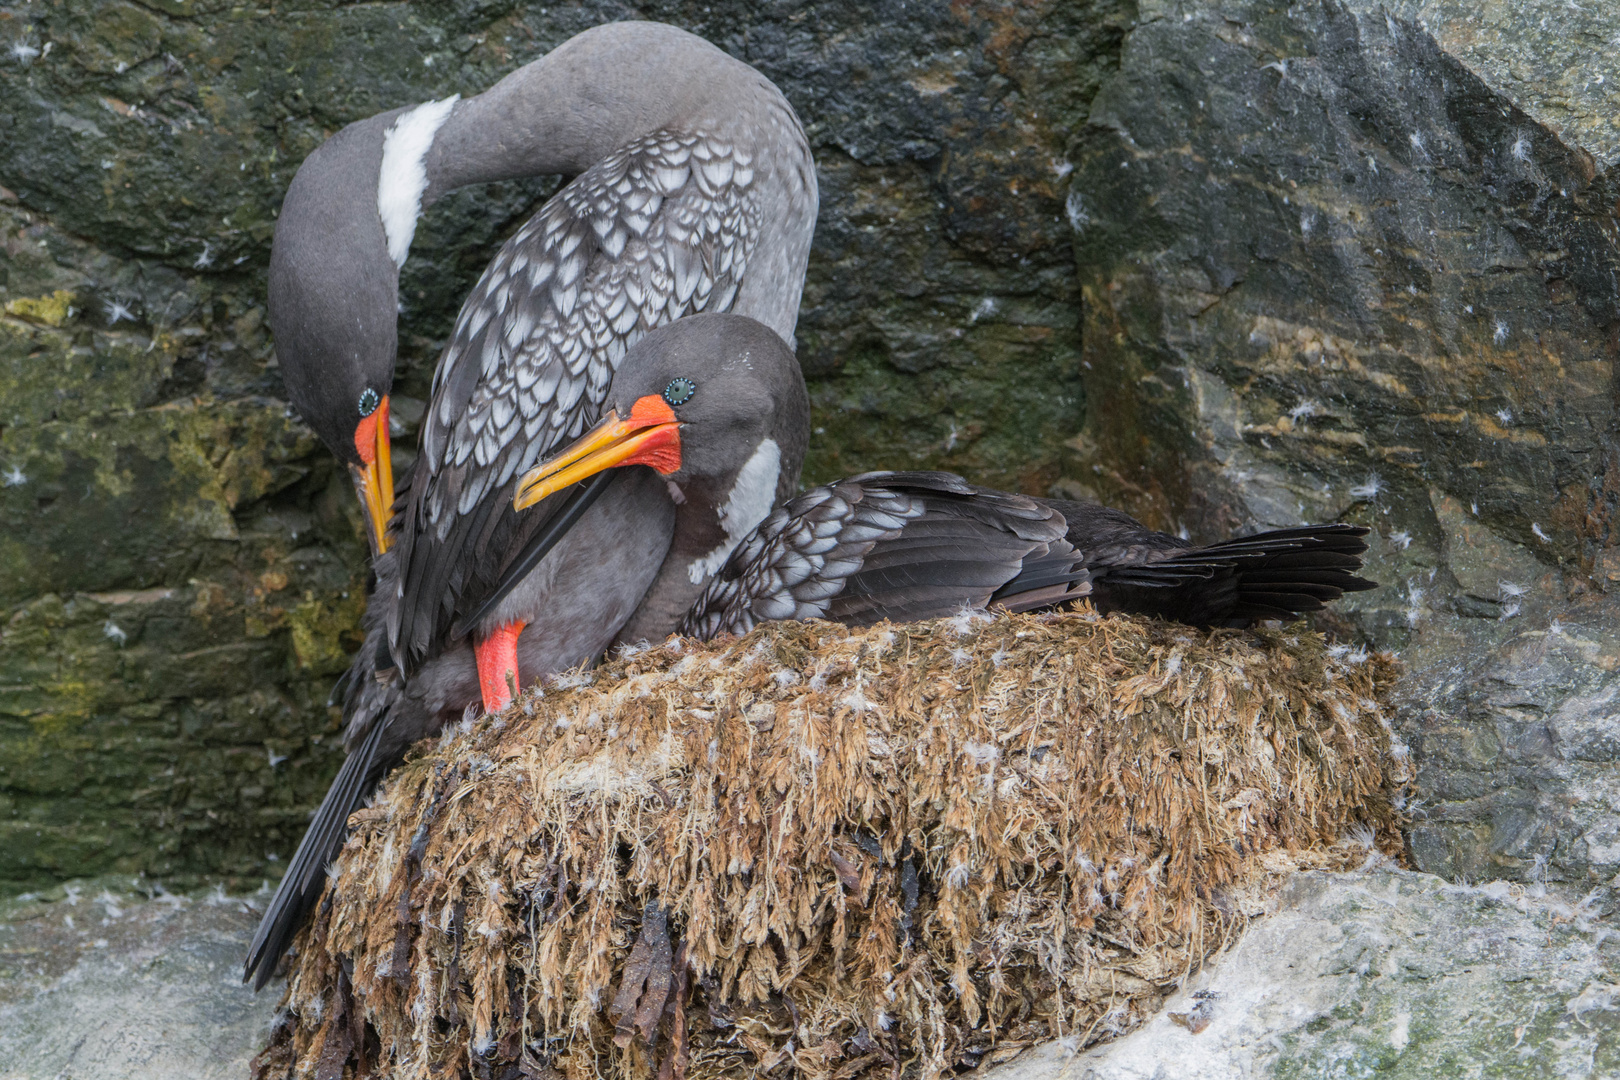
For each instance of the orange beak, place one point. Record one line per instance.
(374, 480)
(651, 436)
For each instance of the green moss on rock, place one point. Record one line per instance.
(181, 566)
(53, 310)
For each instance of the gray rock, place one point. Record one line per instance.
(98, 983)
(1552, 58)
(1337, 267)
(1334, 272)
(1383, 974)
(1518, 743)
(182, 568)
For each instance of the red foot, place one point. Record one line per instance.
(497, 666)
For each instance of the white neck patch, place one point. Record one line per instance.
(751, 498)
(403, 176)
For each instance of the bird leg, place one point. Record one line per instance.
(497, 666)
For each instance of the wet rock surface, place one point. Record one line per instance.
(1337, 266)
(1331, 273)
(1551, 58)
(1519, 744)
(1377, 973)
(98, 980)
(1384, 974)
(181, 567)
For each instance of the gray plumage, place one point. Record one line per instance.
(708, 209)
(694, 191)
(590, 592)
(752, 392)
(915, 545)
(886, 545)
(907, 546)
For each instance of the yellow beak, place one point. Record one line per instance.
(651, 436)
(374, 480)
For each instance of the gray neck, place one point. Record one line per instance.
(701, 542)
(350, 213)
(672, 592)
(590, 96)
(599, 91)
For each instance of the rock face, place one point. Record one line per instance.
(1336, 265)
(1225, 263)
(1334, 274)
(1387, 973)
(1381, 974)
(181, 567)
(98, 981)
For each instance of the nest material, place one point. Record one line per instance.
(835, 853)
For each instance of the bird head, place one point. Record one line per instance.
(334, 303)
(706, 399)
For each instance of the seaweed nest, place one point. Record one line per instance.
(833, 853)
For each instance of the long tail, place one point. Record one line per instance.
(301, 886)
(1272, 575)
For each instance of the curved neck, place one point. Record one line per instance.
(590, 96)
(712, 517)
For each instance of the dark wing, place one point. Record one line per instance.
(1112, 537)
(1272, 575)
(660, 229)
(897, 546)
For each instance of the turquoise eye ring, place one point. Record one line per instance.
(369, 400)
(679, 391)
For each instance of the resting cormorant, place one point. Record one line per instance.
(717, 406)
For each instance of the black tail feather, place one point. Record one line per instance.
(1045, 580)
(1272, 575)
(301, 886)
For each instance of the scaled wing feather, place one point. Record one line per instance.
(634, 242)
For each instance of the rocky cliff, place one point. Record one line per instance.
(1356, 260)
(1224, 263)
(181, 567)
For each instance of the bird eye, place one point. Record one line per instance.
(679, 391)
(369, 401)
